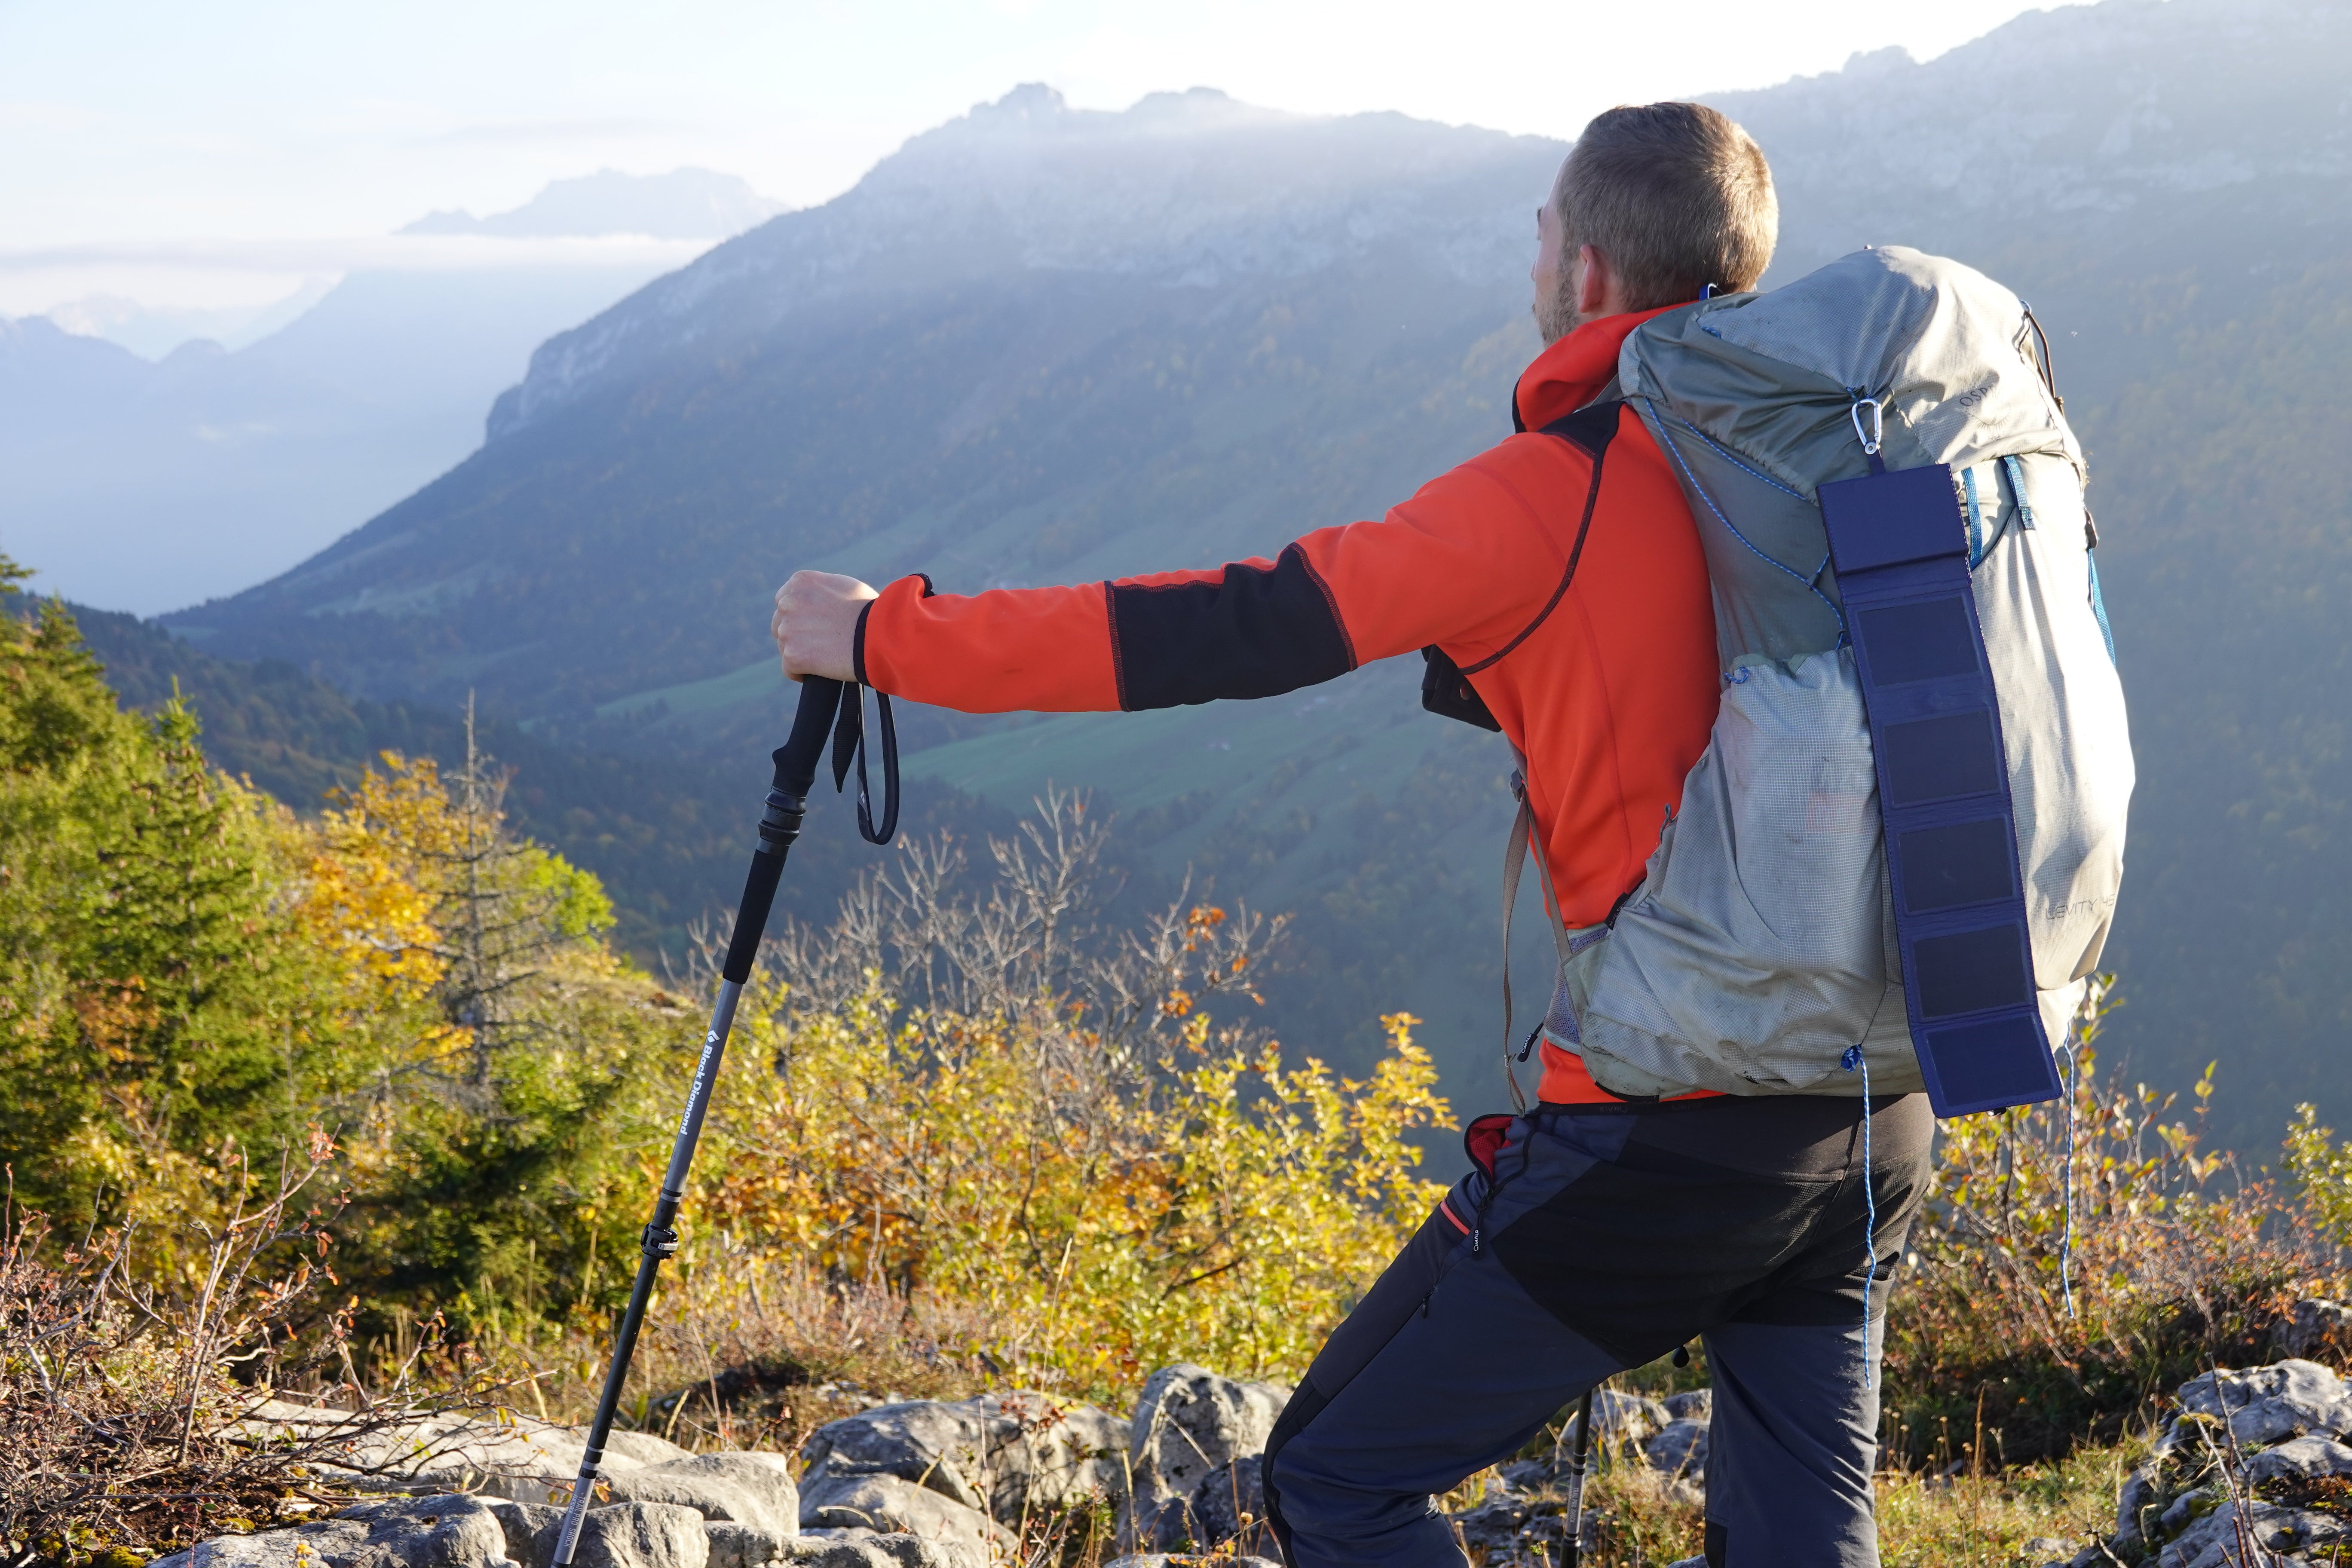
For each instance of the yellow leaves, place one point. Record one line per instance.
(2322, 1170)
(1223, 1209)
(373, 877)
(115, 1018)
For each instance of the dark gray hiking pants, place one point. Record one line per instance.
(1603, 1237)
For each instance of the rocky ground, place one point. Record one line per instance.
(2251, 1468)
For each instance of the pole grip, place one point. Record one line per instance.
(751, 916)
(798, 758)
(796, 763)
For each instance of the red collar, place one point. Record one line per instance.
(1568, 375)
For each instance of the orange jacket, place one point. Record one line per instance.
(1559, 570)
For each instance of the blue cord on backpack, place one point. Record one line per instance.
(1852, 1059)
(2066, 1243)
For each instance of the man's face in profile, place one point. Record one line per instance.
(1556, 274)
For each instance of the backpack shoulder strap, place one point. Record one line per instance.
(1515, 857)
(1591, 428)
(1444, 692)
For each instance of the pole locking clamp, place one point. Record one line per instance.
(659, 1241)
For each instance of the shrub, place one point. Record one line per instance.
(989, 1104)
(2077, 1260)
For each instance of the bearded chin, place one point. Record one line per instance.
(1556, 317)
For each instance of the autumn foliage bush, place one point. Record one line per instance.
(986, 1100)
(970, 1095)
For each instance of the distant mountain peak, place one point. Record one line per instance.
(685, 204)
(1035, 110)
(1879, 62)
(1030, 101)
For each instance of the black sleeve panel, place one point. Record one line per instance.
(1252, 633)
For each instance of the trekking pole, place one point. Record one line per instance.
(797, 765)
(1572, 1546)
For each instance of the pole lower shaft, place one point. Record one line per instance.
(657, 1242)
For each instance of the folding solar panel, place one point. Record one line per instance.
(1900, 546)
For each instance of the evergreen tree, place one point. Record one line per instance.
(148, 1005)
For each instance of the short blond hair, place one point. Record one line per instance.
(1676, 195)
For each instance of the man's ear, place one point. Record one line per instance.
(1595, 284)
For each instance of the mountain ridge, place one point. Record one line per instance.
(965, 398)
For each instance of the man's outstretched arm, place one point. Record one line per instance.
(1465, 563)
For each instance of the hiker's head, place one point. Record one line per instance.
(1653, 203)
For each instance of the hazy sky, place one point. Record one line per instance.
(220, 154)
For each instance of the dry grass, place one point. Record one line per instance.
(128, 1412)
(757, 1351)
(1639, 1518)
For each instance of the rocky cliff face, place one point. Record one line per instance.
(2127, 125)
(1188, 190)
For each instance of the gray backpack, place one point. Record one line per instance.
(1894, 400)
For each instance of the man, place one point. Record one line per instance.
(1562, 572)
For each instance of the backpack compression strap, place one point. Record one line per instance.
(1446, 689)
(1900, 544)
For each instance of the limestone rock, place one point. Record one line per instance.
(1680, 1449)
(2267, 1405)
(1007, 1454)
(753, 1489)
(747, 1545)
(393, 1532)
(1509, 1528)
(641, 1535)
(2048, 1552)
(2136, 1504)
(865, 1549)
(1623, 1425)
(2211, 1540)
(1623, 1422)
(745, 1525)
(885, 1505)
(1697, 1404)
(531, 1530)
(2317, 1324)
(490, 1454)
(1188, 1421)
(1226, 1514)
(2307, 1457)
